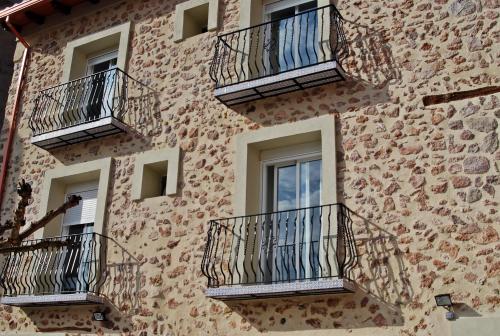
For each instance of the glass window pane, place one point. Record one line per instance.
(310, 183)
(286, 188)
(310, 224)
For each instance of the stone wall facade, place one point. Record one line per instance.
(423, 181)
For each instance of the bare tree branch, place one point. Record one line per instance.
(16, 237)
(72, 201)
(37, 246)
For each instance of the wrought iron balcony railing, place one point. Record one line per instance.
(54, 270)
(84, 108)
(285, 247)
(312, 41)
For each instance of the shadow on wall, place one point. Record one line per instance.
(382, 287)
(462, 309)
(370, 69)
(78, 319)
(121, 291)
(370, 60)
(380, 270)
(334, 311)
(140, 113)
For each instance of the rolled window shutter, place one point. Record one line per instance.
(84, 212)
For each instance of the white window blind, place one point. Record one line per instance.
(84, 212)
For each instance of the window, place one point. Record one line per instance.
(90, 180)
(291, 190)
(195, 17)
(283, 143)
(155, 173)
(295, 28)
(86, 53)
(78, 225)
(96, 92)
(154, 179)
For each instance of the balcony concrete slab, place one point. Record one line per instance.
(52, 300)
(79, 133)
(289, 81)
(325, 286)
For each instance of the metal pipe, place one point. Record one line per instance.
(15, 109)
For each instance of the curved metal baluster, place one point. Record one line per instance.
(276, 247)
(215, 63)
(231, 258)
(262, 244)
(222, 256)
(341, 250)
(320, 208)
(286, 261)
(216, 248)
(237, 253)
(315, 38)
(254, 239)
(328, 241)
(205, 261)
(244, 56)
(294, 246)
(311, 246)
(285, 43)
(322, 34)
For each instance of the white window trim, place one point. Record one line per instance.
(98, 169)
(108, 56)
(69, 52)
(180, 9)
(273, 5)
(171, 156)
(324, 125)
(281, 162)
(73, 189)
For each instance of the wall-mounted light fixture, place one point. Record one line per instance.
(99, 316)
(444, 300)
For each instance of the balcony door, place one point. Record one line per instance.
(102, 82)
(292, 192)
(292, 35)
(78, 226)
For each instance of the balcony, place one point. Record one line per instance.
(68, 270)
(280, 56)
(295, 252)
(87, 108)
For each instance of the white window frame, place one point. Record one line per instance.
(107, 56)
(282, 162)
(268, 8)
(75, 189)
(310, 153)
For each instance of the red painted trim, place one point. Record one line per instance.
(15, 110)
(20, 7)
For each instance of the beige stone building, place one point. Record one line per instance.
(247, 167)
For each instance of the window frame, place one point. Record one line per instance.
(285, 161)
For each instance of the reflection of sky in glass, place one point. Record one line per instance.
(297, 38)
(310, 183)
(299, 231)
(287, 188)
(307, 37)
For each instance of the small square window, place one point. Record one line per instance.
(195, 17)
(195, 20)
(154, 179)
(155, 174)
